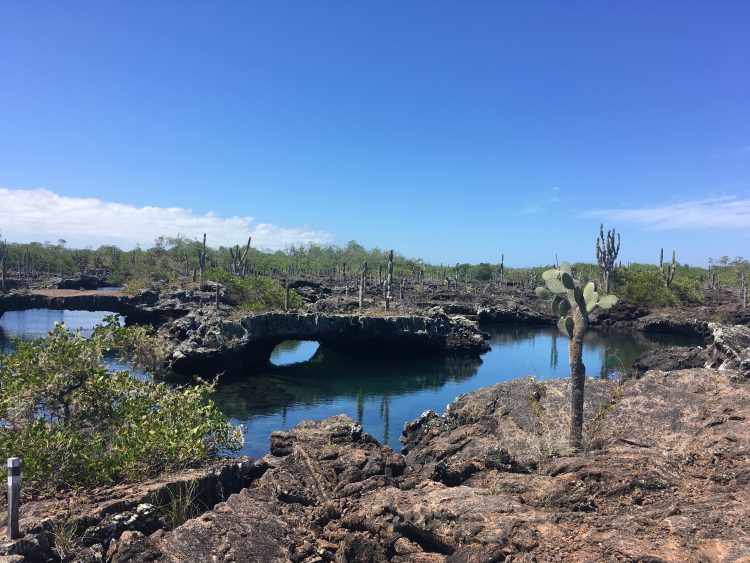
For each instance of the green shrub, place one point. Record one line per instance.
(255, 293)
(645, 286)
(686, 291)
(75, 422)
(135, 284)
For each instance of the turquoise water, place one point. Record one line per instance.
(382, 391)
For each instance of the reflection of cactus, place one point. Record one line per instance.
(572, 306)
(606, 254)
(668, 272)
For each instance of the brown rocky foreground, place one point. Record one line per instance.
(665, 477)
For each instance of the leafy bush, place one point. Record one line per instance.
(255, 293)
(75, 422)
(645, 286)
(686, 291)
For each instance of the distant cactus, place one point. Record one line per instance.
(606, 254)
(202, 260)
(238, 259)
(389, 282)
(668, 272)
(362, 281)
(3, 265)
(572, 305)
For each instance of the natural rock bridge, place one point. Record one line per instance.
(211, 344)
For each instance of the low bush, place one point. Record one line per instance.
(75, 422)
(644, 285)
(255, 293)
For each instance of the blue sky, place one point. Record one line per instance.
(452, 131)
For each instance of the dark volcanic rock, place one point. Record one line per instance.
(210, 343)
(622, 315)
(668, 324)
(84, 281)
(671, 358)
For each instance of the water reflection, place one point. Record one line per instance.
(293, 352)
(382, 392)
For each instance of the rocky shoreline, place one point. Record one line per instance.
(664, 476)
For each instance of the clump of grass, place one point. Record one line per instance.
(549, 437)
(181, 506)
(495, 488)
(63, 532)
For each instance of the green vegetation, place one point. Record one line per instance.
(75, 422)
(643, 284)
(572, 306)
(255, 293)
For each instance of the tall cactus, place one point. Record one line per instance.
(202, 260)
(238, 259)
(4, 264)
(606, 254)
(572, 306)
(389, 282)
(362, 281)
(667, 273)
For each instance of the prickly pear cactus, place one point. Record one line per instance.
(572, 306)
(570, 303)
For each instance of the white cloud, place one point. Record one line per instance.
(727, 212)
(40, 214)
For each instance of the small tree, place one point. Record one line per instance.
(572, 306)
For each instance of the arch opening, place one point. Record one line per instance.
(293, 352)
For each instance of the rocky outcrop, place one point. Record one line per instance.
(671, 358)
(99, 518)
(665, 477)
(210, 342)
(84, 281)
(672, 324)
(730, 348)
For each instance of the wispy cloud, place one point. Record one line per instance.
(727, 212)
(745, 149)
(548, 198)
(41, 214)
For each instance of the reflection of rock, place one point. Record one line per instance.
(330, 378)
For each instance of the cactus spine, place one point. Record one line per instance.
(606, 254)
(668, 272)
(572, 306)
